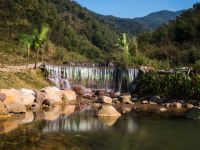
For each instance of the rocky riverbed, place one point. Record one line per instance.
(51, 101)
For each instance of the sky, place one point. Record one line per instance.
(134, 8)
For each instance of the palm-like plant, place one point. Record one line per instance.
(123, 43)
(39, 40)
(27, 41)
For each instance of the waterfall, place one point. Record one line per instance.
(115, 79)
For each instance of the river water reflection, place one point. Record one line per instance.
(78, 129)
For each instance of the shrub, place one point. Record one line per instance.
(178, 85)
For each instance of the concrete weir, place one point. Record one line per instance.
(115, 79)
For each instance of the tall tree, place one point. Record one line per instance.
(27, 41)
(40, 38)
(123, 44)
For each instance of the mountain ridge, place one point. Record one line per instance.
(134, 26)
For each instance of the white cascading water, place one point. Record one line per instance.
(90, 77)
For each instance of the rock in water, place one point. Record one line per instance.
(16, 108)
(69, 95)
(22, 97)
(108, 111)
(189, 105)
(163, 109)
(40, 97)
(177, 105)
(27, 97)
(126, 99)
(105, 99)
(193, 113)
(53, 94)
(12, 96)
(145, 102)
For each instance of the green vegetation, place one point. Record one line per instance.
(75, 34)
(79, 35)
(73, 28)
(176, 42)
(32, 79)
(178, 85)
(138, 25)
(38, 41)
(123, 44)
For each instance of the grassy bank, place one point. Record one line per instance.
(33, 79)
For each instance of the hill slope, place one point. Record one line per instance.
(155, 20)
(177, 42)
(138, 25)
(74, 29)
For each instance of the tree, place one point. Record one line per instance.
(39, 40)
(123, 44)
(27, 41)
(133, 50)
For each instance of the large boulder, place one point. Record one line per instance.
(68, 95)
(125, 99)
(108, 111)
(177, 105)
(193, 113)
(100, 92)
(16, 108)
(105, 99)
(53, 94)
(22, 97)
(84, 92)
(189, 105)
(13, 96)
(27, 97)
(40, 97)
(80, 90)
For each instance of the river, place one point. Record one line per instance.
(81, 130)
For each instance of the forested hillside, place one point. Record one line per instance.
(138, 25)
(178, 42)
(157, 19)
(74, 29)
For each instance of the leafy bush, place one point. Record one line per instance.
(178, 85)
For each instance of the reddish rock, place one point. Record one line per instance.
(2, 97)
(79, 90)
(100, 93)
(39, 97)
(111, 94)
(84, 92)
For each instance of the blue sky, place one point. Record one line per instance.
(134, 8)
